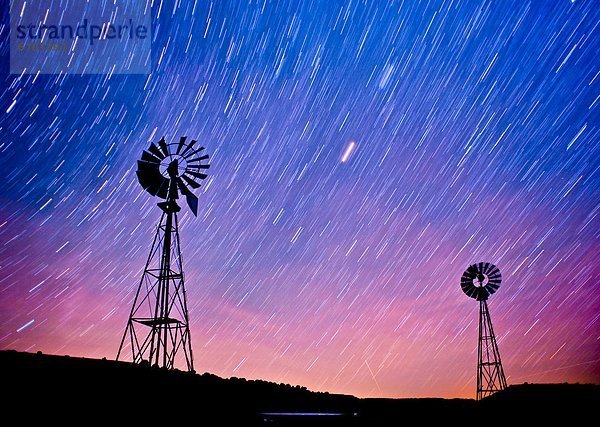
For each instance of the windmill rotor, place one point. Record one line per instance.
(481, 280)
(166, 170)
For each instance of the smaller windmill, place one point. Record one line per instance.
(479, 281)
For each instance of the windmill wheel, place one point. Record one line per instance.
(481, 280)
(169, 169)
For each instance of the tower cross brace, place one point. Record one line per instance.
(490, 374)
(158, 331)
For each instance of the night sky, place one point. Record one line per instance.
(363, 154)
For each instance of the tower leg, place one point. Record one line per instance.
(490, 373)
(157, 331)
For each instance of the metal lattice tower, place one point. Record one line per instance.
(158, 329)
(480, 281)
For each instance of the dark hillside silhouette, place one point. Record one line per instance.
(72, 390)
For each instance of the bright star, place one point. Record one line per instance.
(348, 151)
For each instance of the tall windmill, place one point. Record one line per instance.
(158, 329)
(479, 281)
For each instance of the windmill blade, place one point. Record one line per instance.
(188, 148)
(495, 272)
(496, 279)
(466, 283)
(181, 143)
(192, 202)
(480, 268)
(147, 178)
(164, 148)
(148, 167)
(198, 159)
(467, 278)
(472, 292)
(191, 182)
(154, 150)
(182, 187)
(150, 158)
(147, 182)
(151, 181)
(163, 190)
(154, 189)
(492, 288)
(472, 270)
(197, 174)
(198, 166)
(193, 153)
(487, 268)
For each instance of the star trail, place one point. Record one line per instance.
(363, 154)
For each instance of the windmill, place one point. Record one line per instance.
(479, 281)
(158, 331)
